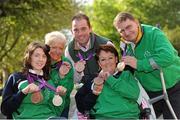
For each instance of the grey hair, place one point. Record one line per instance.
(54, 36)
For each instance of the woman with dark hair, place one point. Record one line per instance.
(116, 97)
(29, 94)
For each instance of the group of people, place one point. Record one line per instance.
(51, 69)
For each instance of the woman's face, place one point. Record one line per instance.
(38, 59)
(56, 50)
(107, 61)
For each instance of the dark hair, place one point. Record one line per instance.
(80, 16)
(106, 48)
(27, 58)
(123, 16)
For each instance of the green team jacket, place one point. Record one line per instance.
(66, 82)
(41, 110)
(153, 51)
(118, 98)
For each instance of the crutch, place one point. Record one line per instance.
(163, 96)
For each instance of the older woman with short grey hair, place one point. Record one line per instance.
(61, 67)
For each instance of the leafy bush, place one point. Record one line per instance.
(174, 37)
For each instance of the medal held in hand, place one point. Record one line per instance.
(63, 70)
(80, 66)
(36, 97)
(57, 100)
(121, 66)
(98, 85)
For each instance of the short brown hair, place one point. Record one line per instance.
(122, 16)
(80, 16)
(106, 48)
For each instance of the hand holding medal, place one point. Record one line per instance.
(36, 97)
(57, 100)
(98, 85)
(80, 66)
(61, 90)
(103, 75)
(120, 66)
(64, 69)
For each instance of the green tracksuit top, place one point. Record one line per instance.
(41, 110)
(66, 82)
(118, 98)
(152, 51)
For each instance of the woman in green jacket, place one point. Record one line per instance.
(30, 94)
(61, 67)
(118, 98)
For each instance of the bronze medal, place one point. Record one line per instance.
(98, 85)
(36, 97)
(63, 70)
(80, 66)
(57, 100)
(98, 81)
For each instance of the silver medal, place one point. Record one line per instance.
(57, 100)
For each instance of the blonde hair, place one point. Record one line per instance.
(55, 36)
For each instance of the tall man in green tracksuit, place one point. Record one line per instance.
(148, 51)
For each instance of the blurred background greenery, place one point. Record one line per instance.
(23, 21)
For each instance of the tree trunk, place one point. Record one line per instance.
(5, 75)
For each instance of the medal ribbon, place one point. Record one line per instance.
(45, 84)
(124, 51)
(42, 81)
(86, 59)
(57, 65)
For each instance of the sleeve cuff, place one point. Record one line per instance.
(111, 80)
(144, 65)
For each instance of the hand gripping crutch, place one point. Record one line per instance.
(163, 96)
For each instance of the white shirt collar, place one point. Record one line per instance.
(86, 48)
(34, 72)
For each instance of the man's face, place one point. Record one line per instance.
(81, 31)
(128, 29)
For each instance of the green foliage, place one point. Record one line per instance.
(102, 16)
(174, 36)
(23, 21)
(166, 13)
